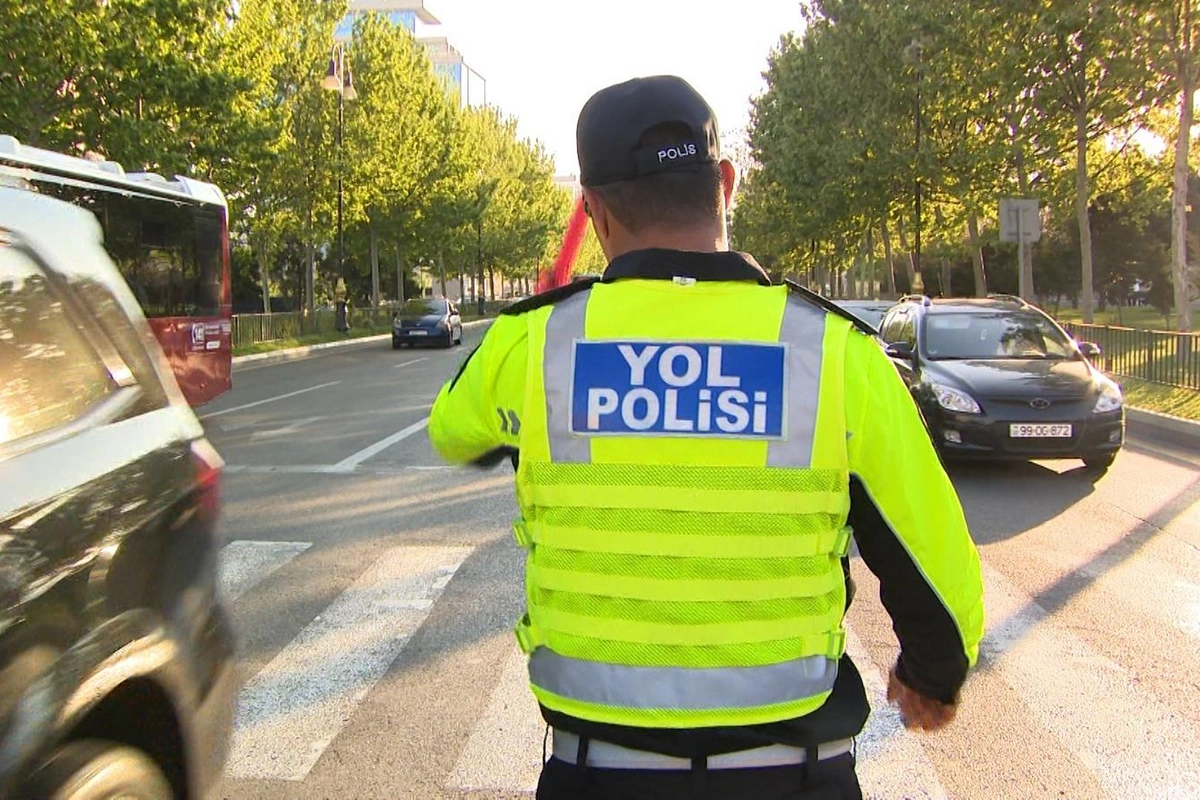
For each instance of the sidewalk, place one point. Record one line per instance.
(1162, 427)
(293, 353)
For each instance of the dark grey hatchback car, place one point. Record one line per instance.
(996, 378)
(116, 658)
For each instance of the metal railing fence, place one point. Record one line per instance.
(1167, 357)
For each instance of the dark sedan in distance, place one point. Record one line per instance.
(431, 320)
(998, 378)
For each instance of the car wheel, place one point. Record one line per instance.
(1099, 463)
(93, 769)
(396, 345)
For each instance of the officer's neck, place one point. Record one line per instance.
(703, 239)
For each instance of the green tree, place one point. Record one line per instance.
(74, 78)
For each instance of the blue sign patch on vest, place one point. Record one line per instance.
(632, 388)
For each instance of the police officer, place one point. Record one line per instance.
(694, 449)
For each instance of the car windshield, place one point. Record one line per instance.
(993, 336)
(423, 307)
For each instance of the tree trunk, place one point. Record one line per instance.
(491, 284)
(912, 257)
(1082, 195)
(890, 258)
(399, 275)
(264, 274)
(374, 265)
(442, 272)
(977, 255)
(947, 289)
(1179, 198)
(310, 266)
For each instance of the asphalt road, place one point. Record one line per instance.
(375, 592)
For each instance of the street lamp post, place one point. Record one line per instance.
(339, 79)
(479, 264)
(912, 54)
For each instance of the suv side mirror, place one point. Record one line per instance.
(900, 350)
(1089, 349)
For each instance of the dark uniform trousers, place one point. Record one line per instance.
(830, 779)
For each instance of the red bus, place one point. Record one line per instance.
(170, 239)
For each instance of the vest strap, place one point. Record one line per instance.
(752, 501)
(835, 541)
(682, 590)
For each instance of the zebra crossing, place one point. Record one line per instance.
(1128, 741)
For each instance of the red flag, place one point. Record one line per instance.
(560, 274)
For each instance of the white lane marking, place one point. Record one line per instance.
(891, 761)
(275, 399)
(1134, 744)
(350, 462)
(410, 363)
(504, 751)
(291, 711)
(292, 427)
(244, 564)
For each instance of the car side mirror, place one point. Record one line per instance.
(900, 350)
(1089, 349)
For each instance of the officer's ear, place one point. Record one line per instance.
(729, 181)
(599, 214)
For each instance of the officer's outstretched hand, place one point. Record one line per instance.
(918, 711)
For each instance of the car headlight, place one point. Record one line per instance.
(955, 400)
(1109, 400)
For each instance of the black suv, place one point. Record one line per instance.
(116, 659)
(998, 378)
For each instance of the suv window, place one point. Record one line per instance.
(52, 376)
(907, 331)
(899, 326)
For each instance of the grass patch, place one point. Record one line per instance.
(312, 338)
(1163, 399)
(289, 342)
(1142, 317)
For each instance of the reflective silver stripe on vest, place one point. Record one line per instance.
(803, 328)
(678, 687)
(562, 329)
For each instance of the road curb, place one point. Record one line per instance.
(1163, 427)
(296, 353)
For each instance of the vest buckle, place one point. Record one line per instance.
(528, 637)
(841, 544)
(522, 534)
(837, 644)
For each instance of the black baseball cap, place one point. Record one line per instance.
(613, 122)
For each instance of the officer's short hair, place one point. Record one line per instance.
(665, 199)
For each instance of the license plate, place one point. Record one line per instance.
(417, 333)
(1039, 431)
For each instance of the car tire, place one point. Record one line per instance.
(396, 345)
(1099, 464)
(94, 769)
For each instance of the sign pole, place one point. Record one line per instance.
(1022, 256)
